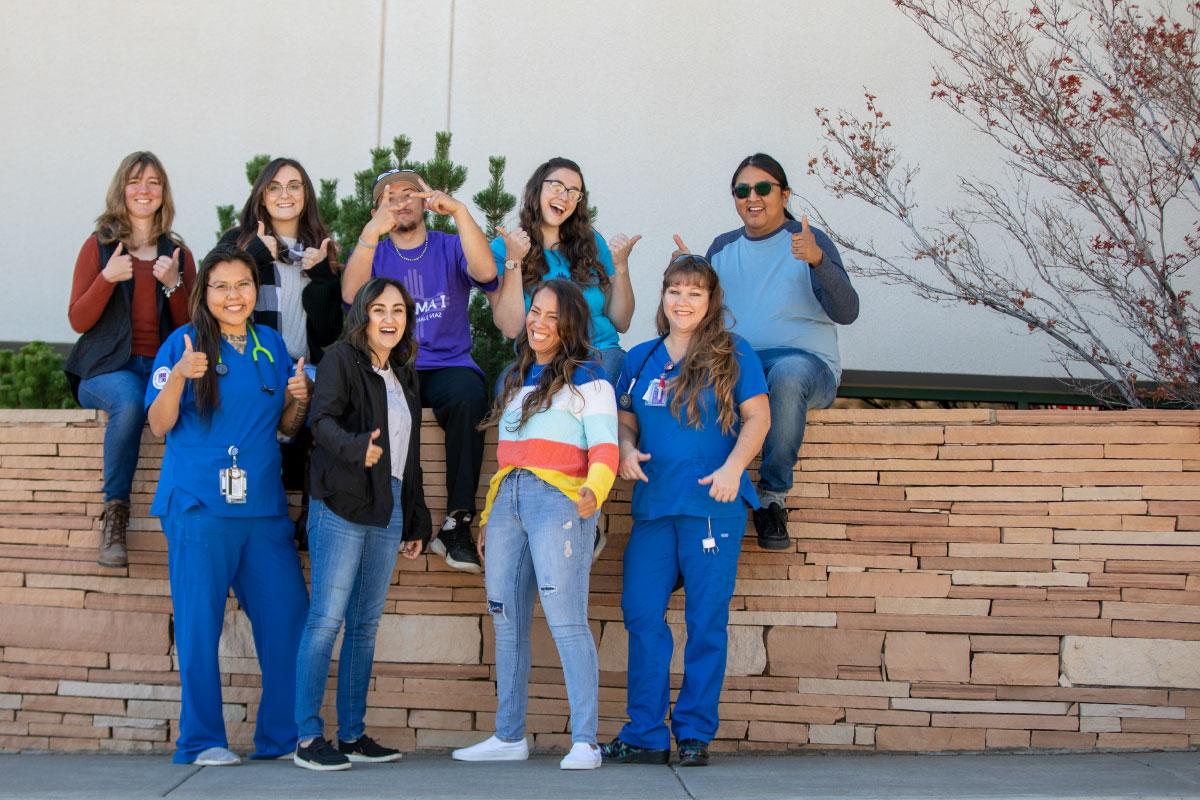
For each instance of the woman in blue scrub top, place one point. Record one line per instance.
(693, 413)
(220, 391)
(556, 240)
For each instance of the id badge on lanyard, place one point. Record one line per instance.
(233, 480)
(656, 392)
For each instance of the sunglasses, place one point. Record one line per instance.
(762, 189)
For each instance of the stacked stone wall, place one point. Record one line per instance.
(959, 580)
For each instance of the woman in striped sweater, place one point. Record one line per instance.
(557, 455)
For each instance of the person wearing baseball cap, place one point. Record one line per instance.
(439, 270)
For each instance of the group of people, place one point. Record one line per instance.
(274, 364)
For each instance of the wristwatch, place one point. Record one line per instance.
(512, 263)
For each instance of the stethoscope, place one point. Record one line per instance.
(222, 368)
(625, 401)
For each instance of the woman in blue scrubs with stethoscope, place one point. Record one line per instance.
(693, 413)
(220, 391)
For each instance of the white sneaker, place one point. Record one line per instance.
(493, 749)
(217, 757)
(582, 756)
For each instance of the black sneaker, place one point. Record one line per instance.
(364, 748)
(618, 751)
(320, 755)
(693, 753)
(771, 524)
(454, 542)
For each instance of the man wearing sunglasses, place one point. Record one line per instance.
(439, 270)
(787, 290)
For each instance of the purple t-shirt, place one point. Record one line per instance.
(437, 279)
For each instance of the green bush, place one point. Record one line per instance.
(32, 377)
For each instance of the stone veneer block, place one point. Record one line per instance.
(1015, 669)
(928, 657)
(420, 639)
(1099, 661)
(817, 653)
(85, 629)
(888, 584)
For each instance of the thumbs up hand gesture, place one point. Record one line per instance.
(166, 269)
(269, 241)
(193, 363)
(297, 385)
(516, 242)
(804, 245)
(119, 267)
(374, 451)
(314, 255)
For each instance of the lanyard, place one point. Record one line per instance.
(223, 369)
(626, 399)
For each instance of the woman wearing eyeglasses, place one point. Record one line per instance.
(132, 279)
(556, 240)
(221, 390)
(787, 290)
(693, 412)
(299, 288)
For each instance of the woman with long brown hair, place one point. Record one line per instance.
(557, 457)
(555, 240)
(221, 391)
(130, 290)
(693, 414)
(299, 291)
(368, 505)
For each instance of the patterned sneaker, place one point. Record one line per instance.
(771, 525)
(619, 751)
(364, 748)
(320, 755)
(693, 753)
(454, 542)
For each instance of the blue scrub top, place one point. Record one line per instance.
(681, 454)
(603, 333)
(246, 416)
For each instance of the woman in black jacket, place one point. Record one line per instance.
(300, 291)
(367, 503)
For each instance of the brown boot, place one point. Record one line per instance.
(115, 521)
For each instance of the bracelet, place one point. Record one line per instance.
(361, 243)
(168, 291)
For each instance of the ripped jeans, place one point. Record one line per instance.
(537, 545)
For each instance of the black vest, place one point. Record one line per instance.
(106, 346)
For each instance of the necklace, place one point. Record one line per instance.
(420, 255)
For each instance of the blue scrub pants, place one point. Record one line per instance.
(206, 555)
(658, 552)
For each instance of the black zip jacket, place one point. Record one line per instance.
(349, 402)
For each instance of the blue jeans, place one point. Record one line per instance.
(120, 394)
(796, 381)
(612, 360)
(535, 538)
(659, 552)
(351, 570)
(207, 554)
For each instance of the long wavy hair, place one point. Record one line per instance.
(404, 355)
(769, 166)
(576, 239)
(574, 350)
(113, 224)
(711, 360)
(208, 330)
(312, 230)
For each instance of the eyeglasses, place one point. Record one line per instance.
(560, 188)
(762, 189)
(241, 287)
(292, 187)
(293, 254)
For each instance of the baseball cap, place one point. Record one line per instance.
(386, 179)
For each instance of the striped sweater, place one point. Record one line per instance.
(571, 445)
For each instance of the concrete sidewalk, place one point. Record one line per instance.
(1097, 775)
